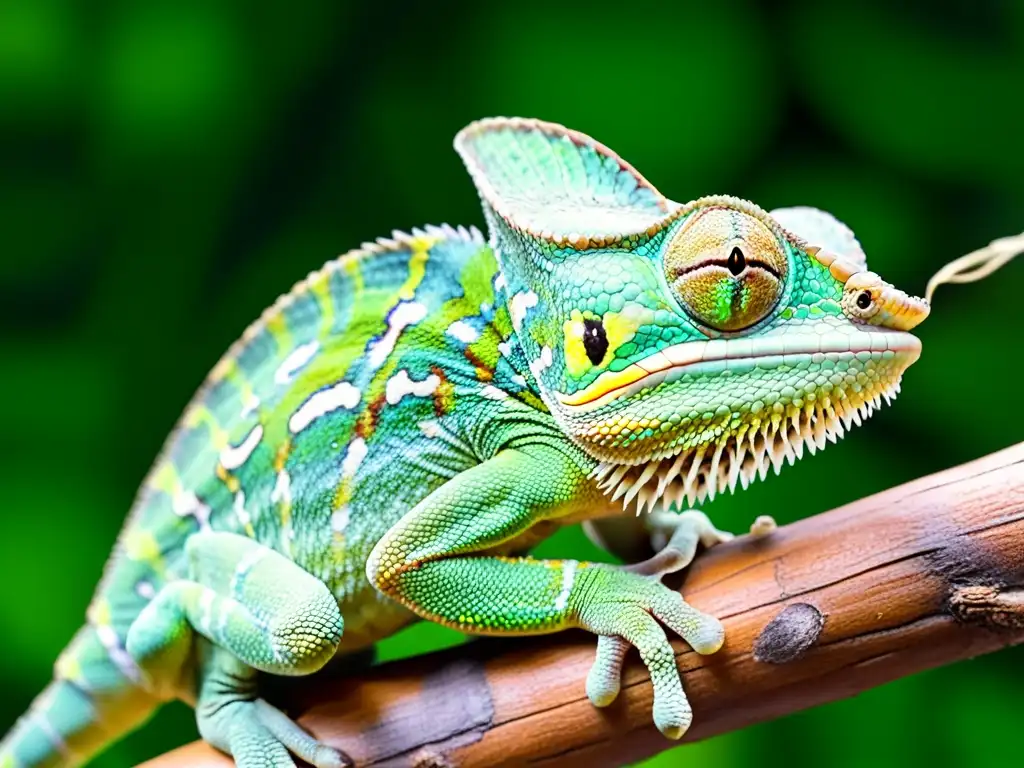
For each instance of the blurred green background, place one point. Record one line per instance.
(168, 168)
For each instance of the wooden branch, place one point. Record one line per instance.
(912, 578)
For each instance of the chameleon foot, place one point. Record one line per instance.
(256, 734)
(674, 537)
(625, 609)
(258, 611)
(261, 736)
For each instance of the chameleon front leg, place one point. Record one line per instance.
(431, 561)
(261, 612)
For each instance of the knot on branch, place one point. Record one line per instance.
(993, 607)
(789, 635)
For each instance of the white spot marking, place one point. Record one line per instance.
(232, 457)
(400, 385)
(499, 282)
(568, 577)
(339, 519)
(463, 331)
(505, 348)
(145, 590)
(299, 357)
(518, 306)
(341, 395)
(187, 504)
(519, 381)
(349, 466)
(240, 511)
(542, 363)
(353, 457)
(404, 314)
(282, 492)
(112, 643)
(430, 429)
(245, 565)
(491, 392)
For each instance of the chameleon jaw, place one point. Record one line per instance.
(673, 362)
(702, 471)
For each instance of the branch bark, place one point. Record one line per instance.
(914, 577)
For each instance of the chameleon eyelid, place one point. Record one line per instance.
(719, 262)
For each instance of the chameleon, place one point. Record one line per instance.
(389, 440)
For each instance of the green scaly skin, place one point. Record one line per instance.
(391, 437)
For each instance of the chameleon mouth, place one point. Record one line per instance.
(741, 354)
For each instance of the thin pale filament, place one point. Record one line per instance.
(977, 264)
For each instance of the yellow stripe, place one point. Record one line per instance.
(200, 414)
(227, 478)
(278, 328)
(605, 383)
(355, 274)
(319, 286)
(141, 546)
(233, 373)
(420, 247)
(68, 667)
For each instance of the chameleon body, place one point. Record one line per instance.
(391, 437)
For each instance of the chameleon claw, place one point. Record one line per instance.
(764, 525)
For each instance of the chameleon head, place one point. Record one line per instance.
(692, 351)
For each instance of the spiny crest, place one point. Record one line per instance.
(400, 239)
(702, 472)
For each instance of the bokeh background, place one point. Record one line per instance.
(168, 167)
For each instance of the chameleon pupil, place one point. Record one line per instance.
(864, 300)
(595, 341)
(736, 261)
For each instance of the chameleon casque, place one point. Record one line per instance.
(391, 437)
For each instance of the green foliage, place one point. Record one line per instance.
(170, 167)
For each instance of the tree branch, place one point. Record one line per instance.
(912, 578)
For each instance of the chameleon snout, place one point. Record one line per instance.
(867, 298)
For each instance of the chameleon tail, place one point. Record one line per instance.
(92, 701)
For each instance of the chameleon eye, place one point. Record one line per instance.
(595, 340)
(726, 268)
